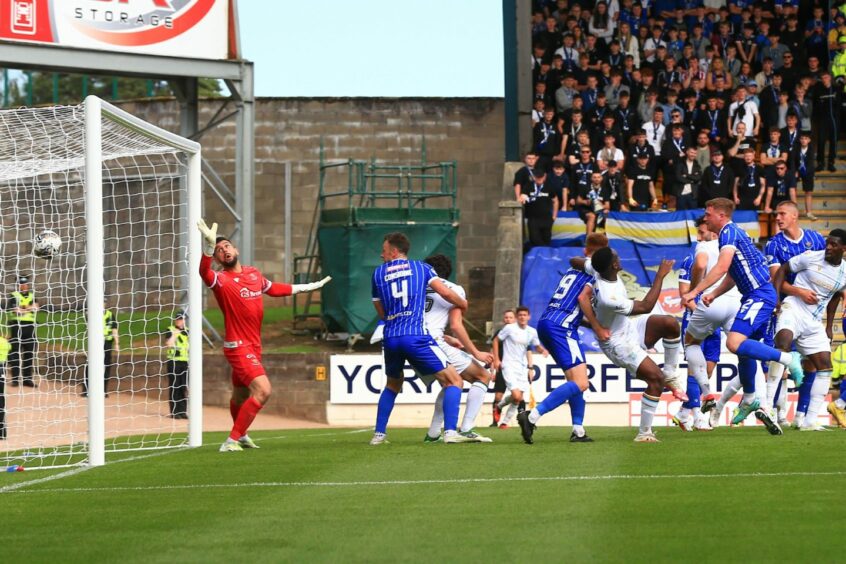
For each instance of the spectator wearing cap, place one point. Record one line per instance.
(22, 338)
(176, 344)
(717, 179)
(111, 345)
(838, 62)
(688, 178)
(802, 161)
(752, 93)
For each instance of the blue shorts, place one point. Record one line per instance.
(565, 349)
(755, 313)
(711, 346)
(421, 351)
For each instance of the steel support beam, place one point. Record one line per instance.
(245, 162)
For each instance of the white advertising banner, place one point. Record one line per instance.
(176, 28)
(358, 379)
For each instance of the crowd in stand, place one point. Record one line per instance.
(665, 104)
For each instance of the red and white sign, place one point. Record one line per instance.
(176, 28)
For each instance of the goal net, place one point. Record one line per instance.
(87, 369)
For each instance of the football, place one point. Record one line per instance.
(46, 244)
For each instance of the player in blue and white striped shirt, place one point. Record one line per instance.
(399, 296)
(747, 270)
(789, 242)
(558, 332)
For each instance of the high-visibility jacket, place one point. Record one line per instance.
(5, 348)
(108, 326)
(23, 301)
(179, 350)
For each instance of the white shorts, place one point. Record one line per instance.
(705, 320)
(625, 348)
(459, 360)
(808, 333)
(640, 326)
(516, 377)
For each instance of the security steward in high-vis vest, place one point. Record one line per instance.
(22, 306)
(5, 347)
(111, 344)
(176, 342)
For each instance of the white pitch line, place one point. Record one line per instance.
(316, 435)
(438, 482)
(75, 471)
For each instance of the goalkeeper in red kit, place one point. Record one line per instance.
(239, 291)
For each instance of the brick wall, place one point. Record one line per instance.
(469, 131)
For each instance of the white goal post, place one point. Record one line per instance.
(124, 196)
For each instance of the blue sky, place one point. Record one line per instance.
(402, 48)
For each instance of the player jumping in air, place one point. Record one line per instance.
(624, 341)
(439, 314)
(558, 330)
(399, 296)
(747, 270)
(823, 274)
(238, 290)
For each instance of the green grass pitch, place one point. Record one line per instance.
(324, 495)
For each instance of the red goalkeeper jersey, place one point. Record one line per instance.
(239, 295)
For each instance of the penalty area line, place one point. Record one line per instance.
(457, 481)
(74, 471)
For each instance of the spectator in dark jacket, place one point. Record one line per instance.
(717, 180)
(688, 176)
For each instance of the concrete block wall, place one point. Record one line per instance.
(469, 131)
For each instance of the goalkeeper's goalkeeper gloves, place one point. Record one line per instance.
(209, 237)
(310, 287)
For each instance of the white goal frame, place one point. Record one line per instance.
(97, 110)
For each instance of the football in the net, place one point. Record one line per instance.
(47, 244)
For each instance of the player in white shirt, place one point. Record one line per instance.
(620, 339)
(706, 319)
(438, 314)
(517, 339)
(824, 274)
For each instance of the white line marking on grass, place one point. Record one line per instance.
(316, 435)
(75, 471)
(438, 482)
